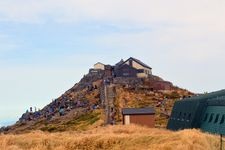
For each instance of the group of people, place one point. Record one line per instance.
(58, 106)
(30, 115)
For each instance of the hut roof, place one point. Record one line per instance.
(138, 111)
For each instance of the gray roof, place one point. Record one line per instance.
(120, 62)
(138, 111)
(139, 62)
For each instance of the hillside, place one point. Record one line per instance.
(112, 137)
(86, 105)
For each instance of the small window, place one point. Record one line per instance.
(211, 118)
(217, 118)
(180, 114)
(189, 116)
(177, 115)
(184, 116)
(174, 115)
(206, 117)
(222, 119)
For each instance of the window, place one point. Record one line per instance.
(184, 116)
(125, 74)
(217, 118)
(222, 119)
(206, 117)
(179, 116)
(189, 116)
(211, 118)
(173, 115)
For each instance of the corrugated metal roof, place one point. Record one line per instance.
(138, 111)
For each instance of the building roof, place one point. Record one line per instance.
(99, 63)
(120, 62)
(139, 62)
(138, 111)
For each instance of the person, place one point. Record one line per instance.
(61, 111)
(31, 110)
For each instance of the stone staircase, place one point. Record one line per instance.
(107, 96)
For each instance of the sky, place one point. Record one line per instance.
(46, 46)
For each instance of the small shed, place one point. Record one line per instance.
(140, 116)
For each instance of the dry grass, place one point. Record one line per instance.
(112, 137)
(143, 98)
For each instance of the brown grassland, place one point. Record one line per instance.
(111, 137)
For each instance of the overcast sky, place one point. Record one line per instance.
(46, 46)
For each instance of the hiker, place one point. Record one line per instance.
(61, 111)
(31, 110)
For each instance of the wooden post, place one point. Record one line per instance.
(221, 142)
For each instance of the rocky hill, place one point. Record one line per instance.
(105, 89)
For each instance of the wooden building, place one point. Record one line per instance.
(140, 116)
(99, 65)
(132, 67)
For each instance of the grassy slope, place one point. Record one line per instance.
(112, 137)
(142, 98)
(79, 119)
(75, 121)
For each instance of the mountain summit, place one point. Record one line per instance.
(104, 91)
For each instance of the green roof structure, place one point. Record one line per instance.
(206, 112)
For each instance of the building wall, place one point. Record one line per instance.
(213, 120)
(138, 66)
(145, 120)
(99, 66)
(126, 71)
(127, 119)
(108, 71)
(142, 75)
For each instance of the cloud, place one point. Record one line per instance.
(182, 41)
(140, 11)
(178, 43)
(196, 27)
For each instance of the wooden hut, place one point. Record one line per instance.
(140, 116)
